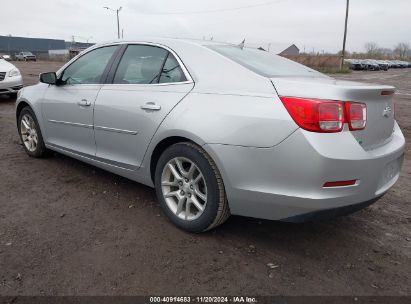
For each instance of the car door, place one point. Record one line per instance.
(68, 107)
(143, 87)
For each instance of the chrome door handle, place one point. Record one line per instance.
(84, 103)
(151, 106)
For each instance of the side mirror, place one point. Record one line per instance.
(49, 78)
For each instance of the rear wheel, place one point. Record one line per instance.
(190, 189)
(30, 133)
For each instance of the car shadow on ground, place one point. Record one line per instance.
(237, 227)
(257, 231)
(4, 98)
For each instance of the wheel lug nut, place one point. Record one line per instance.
(180, 183)
(182, 192)
(191, 187)
(186, 180)
(189, 195)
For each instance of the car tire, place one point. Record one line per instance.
(193, 198)
(30, 133)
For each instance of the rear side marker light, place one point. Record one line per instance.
(340, 183)
(356, 115)
(387, 93)
(326, 116)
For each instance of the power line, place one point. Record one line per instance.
(218, 10)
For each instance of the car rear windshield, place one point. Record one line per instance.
(265, 63)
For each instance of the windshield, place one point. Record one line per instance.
(27, 53)
(265, 63)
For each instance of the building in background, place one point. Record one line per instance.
(11, 45)
(42, 47)
(282, 49)
(292, 50)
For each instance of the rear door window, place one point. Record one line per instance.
(140, 64)
(172, 71)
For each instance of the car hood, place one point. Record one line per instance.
(6, 66)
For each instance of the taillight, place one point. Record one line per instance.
(316, 115)
(325, 116)
(356, 115)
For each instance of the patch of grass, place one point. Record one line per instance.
(345, 70)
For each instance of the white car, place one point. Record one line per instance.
(5, 57)
(10, 78)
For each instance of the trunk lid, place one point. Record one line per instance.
(380, 110)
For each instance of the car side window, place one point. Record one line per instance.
(172, 71)
(140, 64)
(89, 68)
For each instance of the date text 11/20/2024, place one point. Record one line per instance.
(235, 299)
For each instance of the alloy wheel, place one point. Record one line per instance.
(28, 132)
(184, 188)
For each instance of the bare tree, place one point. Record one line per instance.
(402, 49)
(371, 48)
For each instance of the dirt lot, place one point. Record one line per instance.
(67, 228)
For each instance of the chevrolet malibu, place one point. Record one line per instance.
(218, 129)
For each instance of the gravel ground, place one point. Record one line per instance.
(67, 228)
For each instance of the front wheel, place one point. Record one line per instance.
(30, 133)
(190, 189)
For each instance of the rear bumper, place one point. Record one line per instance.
(330, 213)
(287, 180)
(11, 85)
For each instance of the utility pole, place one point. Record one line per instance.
(345, 35)
(118, 24)
(118, 18)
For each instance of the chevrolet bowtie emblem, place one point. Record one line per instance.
(387, 111)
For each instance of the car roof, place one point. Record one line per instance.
(165, 41)
(201, 62)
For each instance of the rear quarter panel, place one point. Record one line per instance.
(241, 120)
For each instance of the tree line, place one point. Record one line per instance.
(372, 50)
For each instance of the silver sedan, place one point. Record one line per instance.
(218, 129)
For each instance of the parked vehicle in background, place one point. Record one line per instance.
(25, 56)
(217, 129)
(404, 64)
(401, 64)
(355, 64)
(394, 64)
(10, 78)
(382, 64)
(376, 65)
(388, 63)
(371, 65)
(5, 57)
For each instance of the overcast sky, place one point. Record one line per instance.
(307, 23)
